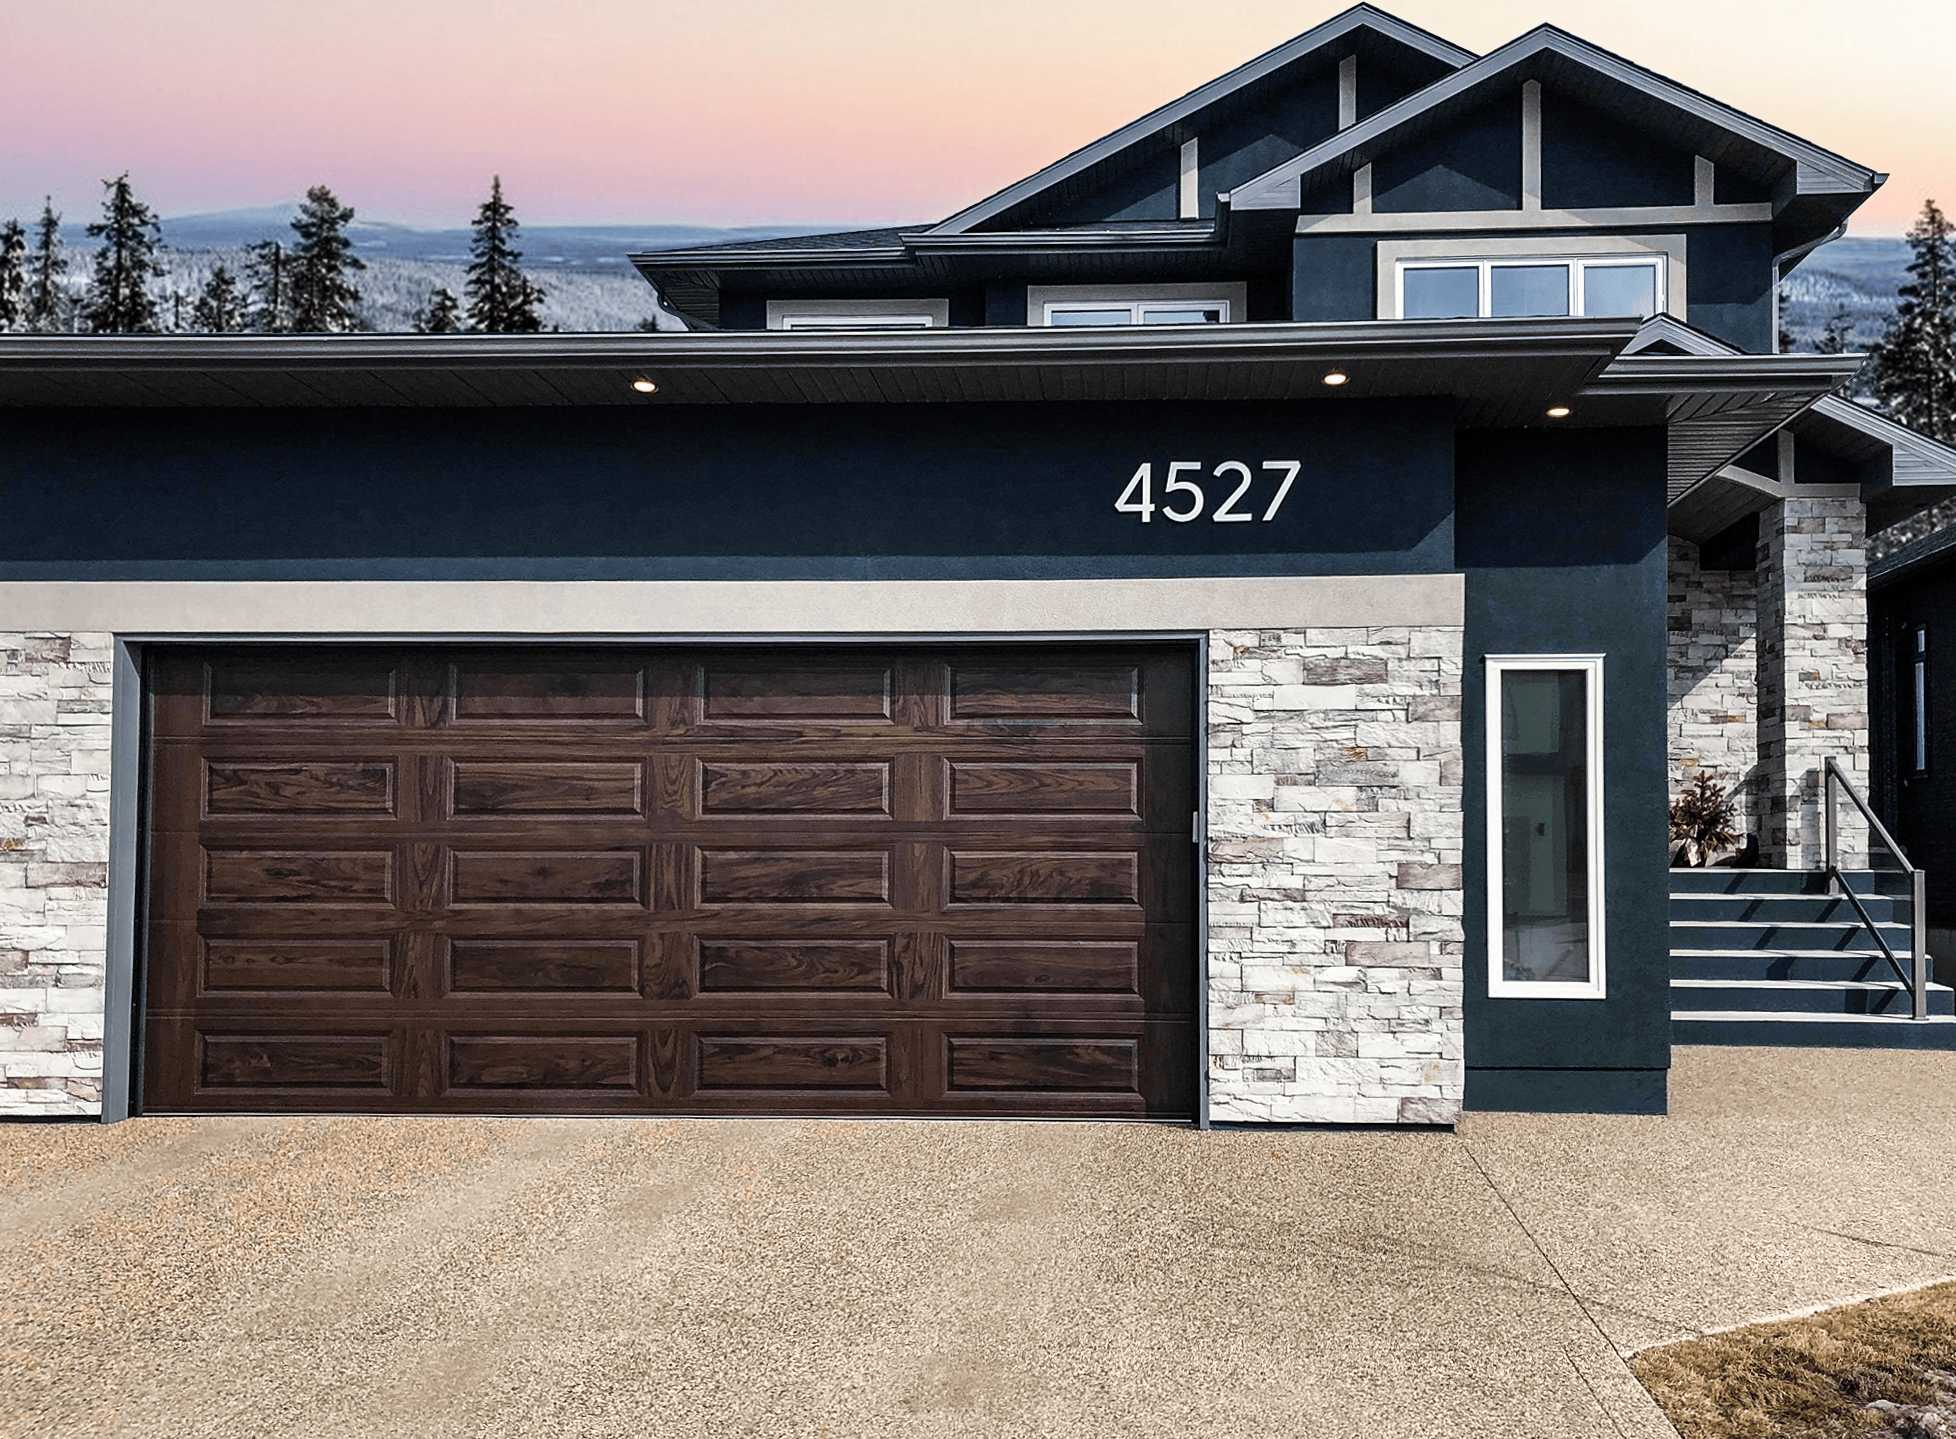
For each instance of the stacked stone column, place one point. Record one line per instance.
(54, 869)
(1813, 691)
(1335, 898)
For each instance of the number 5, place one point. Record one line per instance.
(1171, 485)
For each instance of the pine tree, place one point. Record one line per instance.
(442, 315)
(324, 300)
(13, 274)
(501, 300)
(48, 305)
(268, 279)
(118, 300)
(1913, 372)
(220, 307)
(1837, 337)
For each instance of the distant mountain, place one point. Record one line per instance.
(1859, 276)
(598, 247)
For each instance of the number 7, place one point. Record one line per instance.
(1290, 478)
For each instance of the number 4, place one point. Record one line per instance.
(1145, 506)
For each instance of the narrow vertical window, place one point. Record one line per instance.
(1545, 833)
(1921, 698)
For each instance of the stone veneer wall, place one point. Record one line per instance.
(1713, 700)
(1813, 670)
(54, 868)
(1335, 893)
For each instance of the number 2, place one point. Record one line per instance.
(1225, 513)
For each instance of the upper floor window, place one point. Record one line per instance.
(1168, 304)
(1215, 312)
(858, 314)
(1464, 289)
(1516, 276)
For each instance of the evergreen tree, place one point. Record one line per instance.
(267, 275)
(220, 307)
(501, 300)
(118, 301)
(1837, 338)
(13, 274)
(47, 306)
(324, 299)
(442, 315)
(1913, 372)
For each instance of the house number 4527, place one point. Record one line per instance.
(1184, 500)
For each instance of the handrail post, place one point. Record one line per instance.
(1833, 828)
(1919, 939)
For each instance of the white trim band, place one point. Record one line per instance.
(736, 607)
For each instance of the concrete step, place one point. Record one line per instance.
(1813, 1031)
(1738, 934)
(1749, 881)
(1788, 964)
(1804, 996)
(1781, 908)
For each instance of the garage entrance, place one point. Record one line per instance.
(920, 880)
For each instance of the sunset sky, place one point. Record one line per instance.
(850, 112)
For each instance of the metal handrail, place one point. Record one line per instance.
(1918, 981)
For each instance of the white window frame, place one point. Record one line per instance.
(1498, 986)
(1043, 301)
(858, 314)
(1578, 267)
(1395, 257)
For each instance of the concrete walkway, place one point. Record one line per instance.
(507, 1278)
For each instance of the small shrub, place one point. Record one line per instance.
(1703, 817)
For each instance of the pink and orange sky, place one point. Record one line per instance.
(804, 111)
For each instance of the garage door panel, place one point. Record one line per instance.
(538, 968)
(494, 789)
(548, 877)
(532, 880)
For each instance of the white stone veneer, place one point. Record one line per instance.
(1713, 700)
(1335, 891)
(54, 869)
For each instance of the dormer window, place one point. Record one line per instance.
(1632, 276)
(1177, 304)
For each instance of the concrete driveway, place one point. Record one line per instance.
(261, 1277)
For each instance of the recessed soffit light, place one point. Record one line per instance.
(1336, 377)
(644, 386)
(1558, 412)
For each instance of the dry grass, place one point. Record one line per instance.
(1810, 1378)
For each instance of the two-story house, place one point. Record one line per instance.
(1209, 633)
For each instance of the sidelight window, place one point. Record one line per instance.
(1544, 826)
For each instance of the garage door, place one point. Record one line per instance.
(890, 881)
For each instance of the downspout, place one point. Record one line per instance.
(1785, 260)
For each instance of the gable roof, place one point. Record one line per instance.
(1712, 129)
(1359, 17)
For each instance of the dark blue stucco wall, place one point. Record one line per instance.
(1594, 161)
(1332, 278)
(1730, 291)
(1561, 537)
(793, 491)
(1473, 162)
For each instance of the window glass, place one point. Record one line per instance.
(848, 322)
(1441, 292)
(1181, 315)
(1921, 677)
(1545, 931)
(1122, 316)
(1521, 290)
(1619, 290)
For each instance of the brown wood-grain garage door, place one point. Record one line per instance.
(879, 881)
